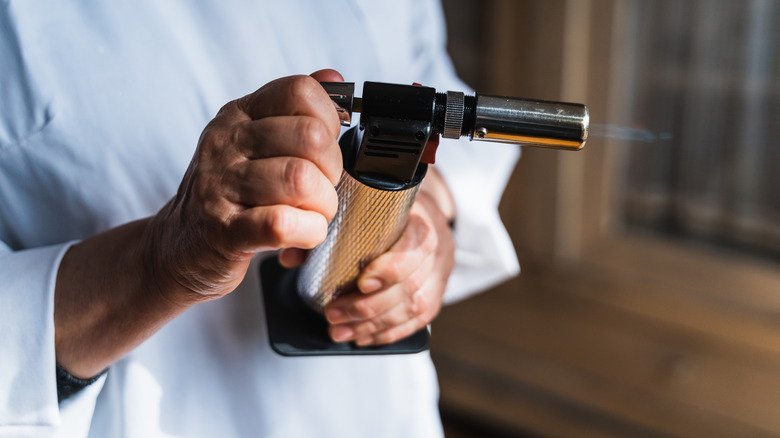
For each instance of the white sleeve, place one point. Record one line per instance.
(29, 405)
(476, 173)
(484, 254)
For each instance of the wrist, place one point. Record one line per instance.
(435, 187)
(161, 261)
(106, 301)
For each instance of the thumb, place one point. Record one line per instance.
(327, 75)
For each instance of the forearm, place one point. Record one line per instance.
(108, 299)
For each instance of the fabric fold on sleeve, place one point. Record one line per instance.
(76, 411)
(477, 177)
(27, 371)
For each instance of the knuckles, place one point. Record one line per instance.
(279, 224)
(392, 269)
(306, 88)
(419, 305)
(364, 310)
(313, 134)
(214, 140)
(240, 134)
(283, 223)
(315, 137)
(300, 176)
(303, 87)
(302, 180)
(413, 283)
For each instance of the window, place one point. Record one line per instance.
(703, 121)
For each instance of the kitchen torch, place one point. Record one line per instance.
(385, 159)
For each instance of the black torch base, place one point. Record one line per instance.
(294, 329)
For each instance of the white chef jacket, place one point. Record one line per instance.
(101, 106)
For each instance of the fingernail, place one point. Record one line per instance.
(341, 333)
(334, 315)
(369, 285)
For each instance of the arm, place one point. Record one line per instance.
(262, 178)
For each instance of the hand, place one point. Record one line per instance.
(262, 178)
(401, 291)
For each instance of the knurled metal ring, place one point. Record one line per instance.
(453, 116)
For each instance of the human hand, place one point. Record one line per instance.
(401, 291)
(262, 178)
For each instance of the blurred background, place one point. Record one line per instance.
(649, 302)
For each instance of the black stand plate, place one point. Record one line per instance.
(295, 329)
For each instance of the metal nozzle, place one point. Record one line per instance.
(556, 125)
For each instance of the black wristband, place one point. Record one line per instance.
(68, 384)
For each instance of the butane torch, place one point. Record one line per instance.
(385, 158)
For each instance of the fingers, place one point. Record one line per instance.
(362, 307)
(413, 276)
(394, 333)
(408, 316)
(274, 155)
(280, 226)
(302, 137)
(388, 283)
(261, 178)
(417, 242)
(293, 95)
(327, 75)
(282, 180)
